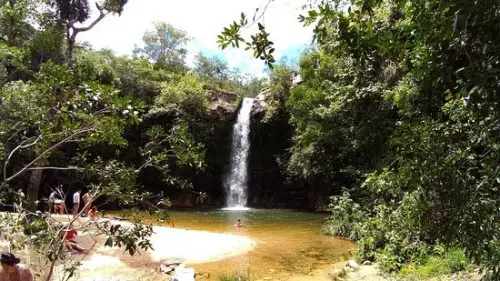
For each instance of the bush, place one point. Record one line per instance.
(346, 217)
(444, 261)
(372, 235)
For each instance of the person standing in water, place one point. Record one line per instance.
(13, 269)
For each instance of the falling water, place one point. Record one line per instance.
(236, 181)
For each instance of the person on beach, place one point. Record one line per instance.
(76, 201)
(87, 202)
(19, 202)
(57, 204)
(68, 235)
(13, 269)
(93, 213)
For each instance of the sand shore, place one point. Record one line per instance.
(191, 246)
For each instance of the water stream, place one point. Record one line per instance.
(236, 180)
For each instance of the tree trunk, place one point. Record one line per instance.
(34, 185)
(69, 52)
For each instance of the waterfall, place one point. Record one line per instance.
(236, 181)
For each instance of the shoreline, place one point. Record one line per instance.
(190, 246)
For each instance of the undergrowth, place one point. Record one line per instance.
(384, 234)
(441, 263)
(232, 277)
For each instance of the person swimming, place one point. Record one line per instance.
(237, 225)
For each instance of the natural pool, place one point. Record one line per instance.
(290, 242)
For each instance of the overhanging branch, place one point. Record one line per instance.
(20, 146)
(76, 30)
(43, 154)
(57, 168)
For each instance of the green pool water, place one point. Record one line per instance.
(290, 242)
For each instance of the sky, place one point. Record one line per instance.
(203, 20)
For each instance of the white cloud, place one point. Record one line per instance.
(203, 21)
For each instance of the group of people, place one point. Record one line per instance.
(58, 206)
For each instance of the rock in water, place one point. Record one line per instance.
(168, 266)
(352, 264)
(165, 269)
(184, 274)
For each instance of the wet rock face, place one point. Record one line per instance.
(271, 138)
(222, 102)
(222, 96)
(183, 200)
(260, 104)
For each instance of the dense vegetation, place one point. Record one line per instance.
(126, 129)
(397, 115)
(64, 105)
(400, 106)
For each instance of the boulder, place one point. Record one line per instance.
(222, 96)
(169, 266)
(297, 80)
(183, 274)
(166, 269)
(222, 102)
(352, 264)
(261, 102)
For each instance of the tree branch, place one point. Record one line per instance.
(20, 146)
(76, 30)
(47, 151)
(57, 168)
(255, 18)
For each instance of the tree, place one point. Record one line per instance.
(43, 116)
(213, 67)
(73, 12)
(14, 28)
(166, 46)
(413, 101)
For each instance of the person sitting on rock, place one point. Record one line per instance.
(12, 269)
